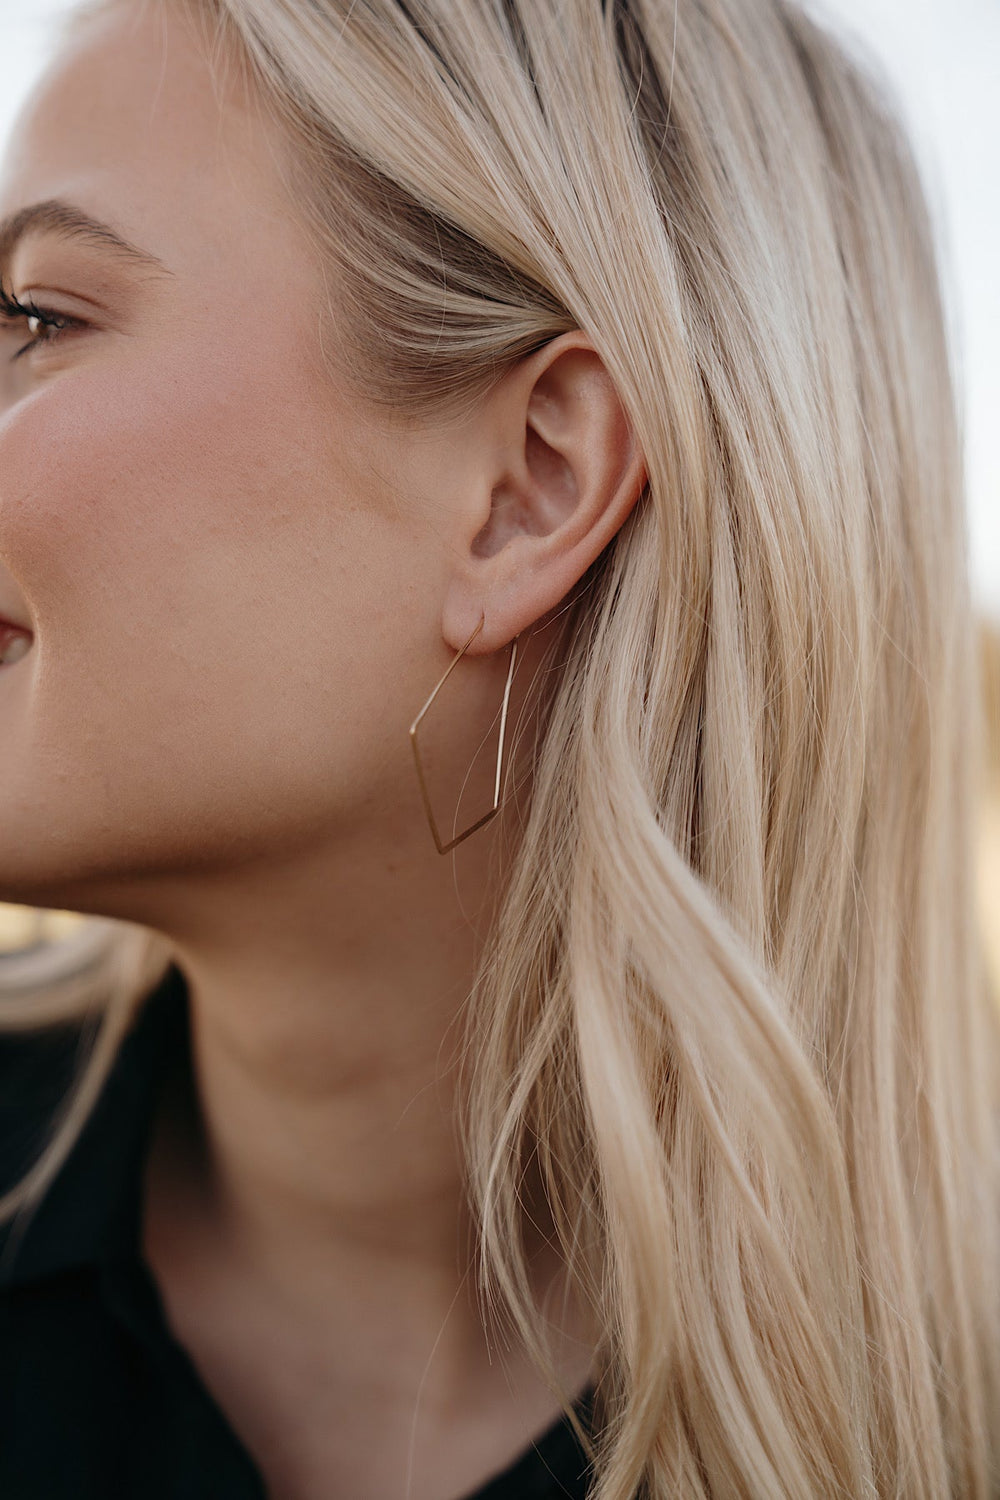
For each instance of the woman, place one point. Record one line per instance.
(481, 508)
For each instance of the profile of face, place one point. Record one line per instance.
(241, 582)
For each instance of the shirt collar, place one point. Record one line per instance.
(90, 1214)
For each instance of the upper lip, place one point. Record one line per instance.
(8, 624)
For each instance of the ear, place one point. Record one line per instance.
(555, 473)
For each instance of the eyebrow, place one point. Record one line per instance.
(54, 216)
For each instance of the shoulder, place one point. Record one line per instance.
(40, 1066)
(85, 1212)
(37, 1068)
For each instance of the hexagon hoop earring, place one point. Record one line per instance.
(443, 848)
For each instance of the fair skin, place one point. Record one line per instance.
(242, 585)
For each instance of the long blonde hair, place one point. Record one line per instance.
(733, 1010)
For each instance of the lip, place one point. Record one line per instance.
(7, 624)
(8, 633)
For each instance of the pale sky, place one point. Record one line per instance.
(943, 57)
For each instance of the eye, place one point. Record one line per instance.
(44, 324)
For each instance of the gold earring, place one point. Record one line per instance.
(443, 848)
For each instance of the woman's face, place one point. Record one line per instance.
(230, 568)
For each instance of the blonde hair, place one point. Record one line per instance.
(733, 1009)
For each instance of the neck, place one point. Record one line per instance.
(315, 1152)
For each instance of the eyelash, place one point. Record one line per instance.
(13, 311)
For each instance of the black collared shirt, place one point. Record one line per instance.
(98, 1400)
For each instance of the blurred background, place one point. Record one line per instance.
(942, 59)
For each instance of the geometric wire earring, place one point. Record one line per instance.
(443, 848)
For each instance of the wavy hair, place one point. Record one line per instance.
(733, 1010)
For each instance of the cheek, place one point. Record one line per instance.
(112, 473)
(185, 489)
(218, 608)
